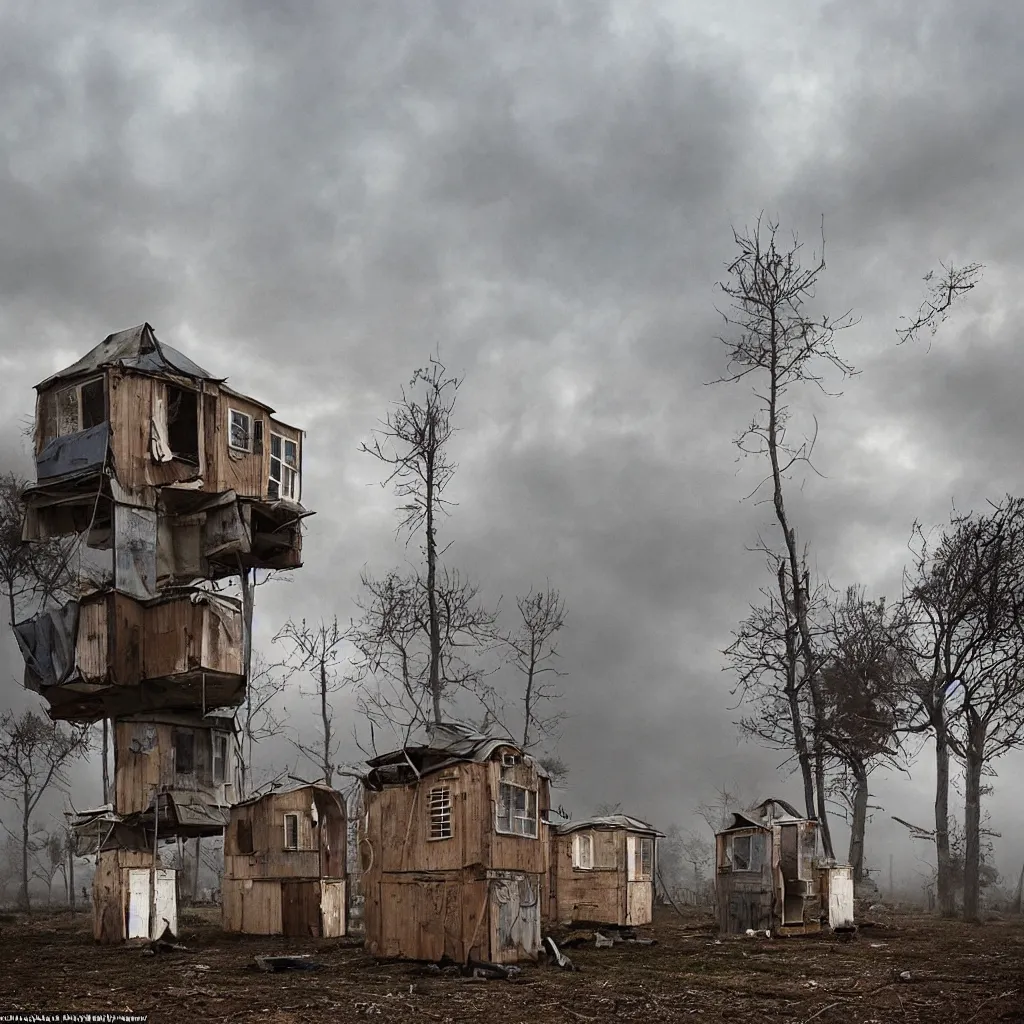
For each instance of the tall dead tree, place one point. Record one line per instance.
(533, 651)
(966, 598)
(34, 757)
(776, 344)
(317, 650)
(764, 657)
(420, 632)
(256, 718)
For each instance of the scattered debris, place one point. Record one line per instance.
(558, 956)
(765, 933)
(299, 962)
(602, 941)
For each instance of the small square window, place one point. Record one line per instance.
(740, 858)
(291, 831)
(516, 811)
(240, 426)
(583, 852)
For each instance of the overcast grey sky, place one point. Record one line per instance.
(309, 197)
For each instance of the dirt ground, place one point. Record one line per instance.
(956, 973)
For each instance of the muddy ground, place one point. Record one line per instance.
(956, 973)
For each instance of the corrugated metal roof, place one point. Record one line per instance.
(454, 742)
(138, 349)
(609, 821)
(284, 790)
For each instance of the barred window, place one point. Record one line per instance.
(440, 806)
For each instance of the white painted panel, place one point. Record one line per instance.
(138, 903)
(639, 903)
(166, 903)
(332, 909)
(840, 897)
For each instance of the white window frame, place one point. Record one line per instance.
(217, 739)
(635, 866)
(291, 493)
(232, 413)
(439, 808)
(514, 823)
(291, 816)
(583, 852)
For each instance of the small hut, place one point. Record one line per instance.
(770, 876)
(454, 849)
(284, 864)
(603, 871)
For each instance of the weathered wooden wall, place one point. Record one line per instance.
(424, 897)
(595, 895)
(132, 401)
(121, 641)
(297, 908)
(144, 762)
(260, 826)
(110, 892)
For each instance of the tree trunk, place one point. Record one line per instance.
(822, 815)
(71, 878)
(106, 770)
(859, 824)
(195, 873)
(325, 716)
(793, 696)
(434, 616)
(25, 812)
(975, 761)
(944, 877)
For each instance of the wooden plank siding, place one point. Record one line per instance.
(426, 897)
(133, 399)
(270, 890)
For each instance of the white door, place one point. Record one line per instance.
(138, 903)
(840, 897)
(166, 903)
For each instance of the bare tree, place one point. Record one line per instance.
(396, 654)
(942, 294)
(318, 650)
(965, 597)
(34, 756)
(779, 346)
(864, 683)
(764, 657)
(441, 605)
(698, 852)
(533, 651)
(717, 811)
(30, 574)
(256, 718)
(48, 857)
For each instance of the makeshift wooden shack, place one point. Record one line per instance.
(189, 758)
(134, 428)
(454, 849)
(133, 895)
(602, 871)
(770, 876)
(285, 864)
(108, 654)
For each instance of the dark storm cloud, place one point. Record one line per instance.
(311, 197)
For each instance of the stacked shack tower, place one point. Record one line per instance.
(177, 486)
